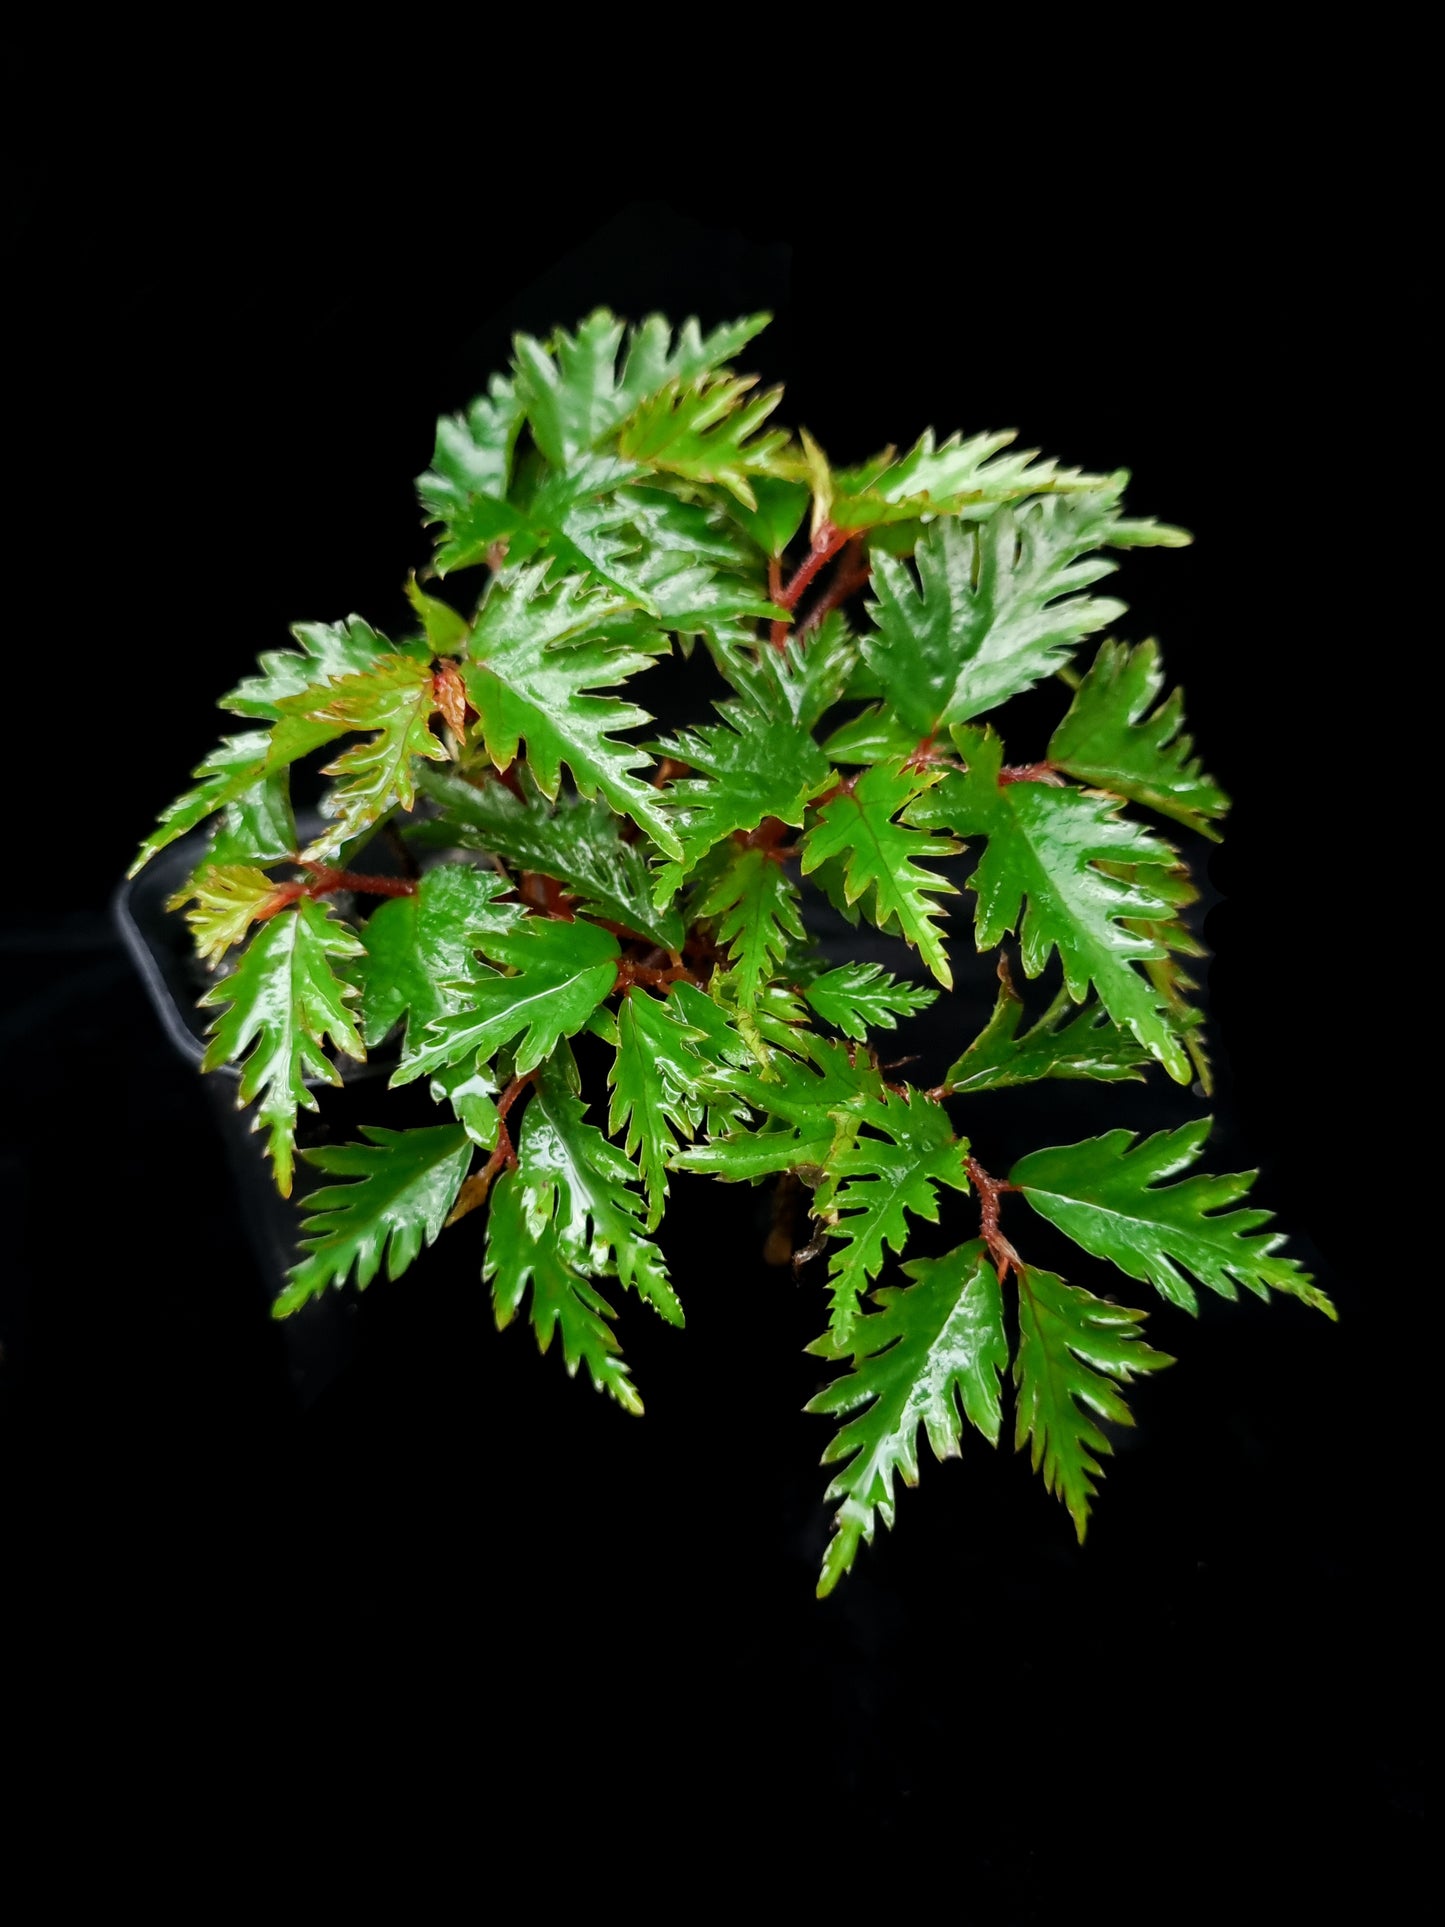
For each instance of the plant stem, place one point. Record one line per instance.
(990, 1190)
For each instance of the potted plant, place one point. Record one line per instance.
(605, 958)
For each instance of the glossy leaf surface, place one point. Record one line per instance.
(932, 1355)
(1074, 1350)
(561, 973)
(514, 866)
(536, 653)
(1040, 875)
(403, 1185)
(1109, 1195)
(1110, 740)
(880, 856)
(281, 1005)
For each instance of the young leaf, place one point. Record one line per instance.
(858, 996)
(1108, 1195)
(1044, 848)
(329, 652)
(578, 1181)
(1072, 1346)
(283, 1001)
(968, 478)
(421, 950)
(465, 489)
(873, 1182)
(750, 766)
(993, 610)
(406, 1183)
(576, 840)
(397, 699)
(522, 1252)
(804, 678)
(705, 433)
(658, 1080)
(1065, 1042)
(814, 1111)
(563, 972)
(535, 653)
(234, 770)
(880, 854)
(1107, 739)
(575, 393)
(257, 826)
(932, 1355)
(227, 898)
(758, 917)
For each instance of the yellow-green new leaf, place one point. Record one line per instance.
(709, 433)
(577, 389)
(397, 699)
(226, 899)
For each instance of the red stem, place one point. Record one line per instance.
(825, 545)
(853, 571)
(990, 1190)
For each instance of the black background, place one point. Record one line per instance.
(461, 1585)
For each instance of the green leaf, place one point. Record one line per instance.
(803, 679)
(1072, 1347)
(536, 652)
(881, 856)
(227, 898)
(874, 1182)
(234, 770)
(282, 1002)
(858, 996)
(397, 699)
(1107, 739)
(658, 1080)
(520, 1253)
(257, 826)
(1108, 1194)
(1040, 875)
(991, 611)
(959, 477)
(749, 767)
(707, 432)
(563, 972)
(330, 652)
(581, 1184)
(1065, 1042)
(576, 393)
(814, 1111)
(777, 512)
(933, 1355)
(446, 630)
(406, 1183)
(757, 914)
(466, 486)
(575, 840)
(420, 959)
(876, 735)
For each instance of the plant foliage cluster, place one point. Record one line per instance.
(619, 496)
